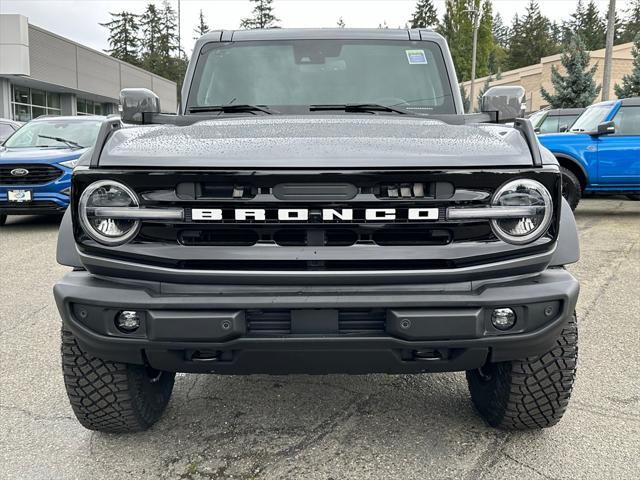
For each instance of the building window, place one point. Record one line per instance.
(28, 103)
(89, 107)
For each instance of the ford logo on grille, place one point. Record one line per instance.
(19, 172)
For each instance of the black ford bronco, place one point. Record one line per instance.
(319, 204)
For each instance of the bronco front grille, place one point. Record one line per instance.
(222, 242)
(35, 174)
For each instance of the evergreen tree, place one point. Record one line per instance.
(466, 101)
(594, 28)
(123, 37)
(425, 15)
(631, 83)
(174, 61)
(168, 43)
(631, 24)
(575, 24)
(500, 31)
(341, 23)
(262, 16)
(556, 33)
(202, 26)
(577, 88)
(457, 28)
(530, 38)
(150, 41)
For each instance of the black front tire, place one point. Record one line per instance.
(109, 396)
(571, 187)
(528, 394)
(3, 219)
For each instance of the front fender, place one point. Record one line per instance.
(568, 247)
(66, 253)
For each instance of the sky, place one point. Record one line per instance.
(79, 20)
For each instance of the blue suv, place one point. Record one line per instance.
(601, 152)
(36, 164)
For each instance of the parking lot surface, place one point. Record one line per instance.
(327, 427)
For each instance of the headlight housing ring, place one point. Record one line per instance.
(520, 193)
(108, 231)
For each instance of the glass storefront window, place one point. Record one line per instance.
(53, 100)
(89, 107)
(30, 103)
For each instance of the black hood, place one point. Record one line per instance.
(317, 141)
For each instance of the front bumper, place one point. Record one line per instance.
(49, 198)
(212, 328)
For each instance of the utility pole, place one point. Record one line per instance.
(179, 35)
(475, 15)
(608, 54)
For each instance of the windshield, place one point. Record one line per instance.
(537, 118)
(55, 134)
(589, 120)
(300, 73)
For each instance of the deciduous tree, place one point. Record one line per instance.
(457, 28)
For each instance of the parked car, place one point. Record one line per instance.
(555, 120)
(36, 164)
(7, 127)
(601, 152)
(343, 214)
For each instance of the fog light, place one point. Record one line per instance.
(128, 321)
(503, 318)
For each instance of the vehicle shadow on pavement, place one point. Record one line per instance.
(236, 425)
(31, 222)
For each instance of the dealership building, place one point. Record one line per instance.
(42, 73)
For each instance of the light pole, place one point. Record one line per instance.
(608, 53)
(475, 16)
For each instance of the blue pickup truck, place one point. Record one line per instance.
(601, 152)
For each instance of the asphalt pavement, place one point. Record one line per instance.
(334, 426)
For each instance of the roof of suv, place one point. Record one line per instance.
(559, 112)
(631, 102)
(319, 33)
(67, 118)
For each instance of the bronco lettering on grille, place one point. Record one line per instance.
(304, 214)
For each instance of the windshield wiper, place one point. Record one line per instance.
(230, 109)
(69, 143)
(359, 107)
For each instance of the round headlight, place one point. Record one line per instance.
(523, 193)
(108, 231)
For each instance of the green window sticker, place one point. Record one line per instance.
(416, 57)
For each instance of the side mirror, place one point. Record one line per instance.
(563, 128)
(605, 128)
(507, 102)
(136, 102)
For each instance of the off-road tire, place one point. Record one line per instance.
(571, 187)
(531, 393)
(3, 219)
(111, 396)
(634, 196)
